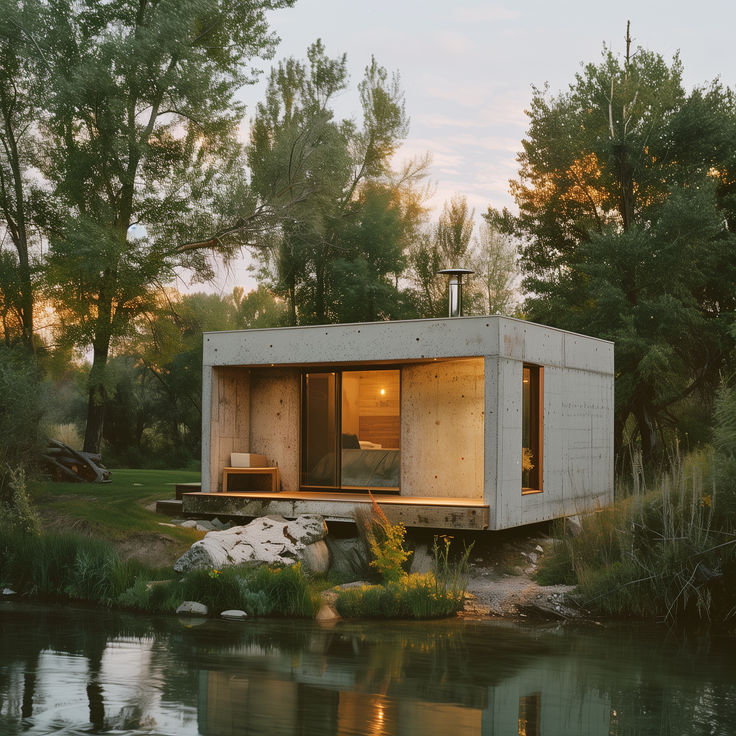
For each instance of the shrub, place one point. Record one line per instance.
(385, 542)
(414, 596)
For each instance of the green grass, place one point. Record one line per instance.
(413, 596)
(113, 510)
(71, 567)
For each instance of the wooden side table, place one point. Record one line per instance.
(257, 479)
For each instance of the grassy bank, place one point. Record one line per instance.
(71, 567)
(122, 511)
(68, 566)
(667, 552)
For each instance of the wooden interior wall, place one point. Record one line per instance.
(384, 431)
(229, 419)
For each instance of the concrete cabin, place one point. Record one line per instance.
(470, 422)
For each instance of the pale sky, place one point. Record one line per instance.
(468, 67)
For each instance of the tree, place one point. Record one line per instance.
(446, 245)
(627, 209)
(493, 258)
(20, 198)
(338, 251)
(153, 393)
(138, 126)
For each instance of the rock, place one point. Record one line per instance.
(348, 558)
(316, 557)
(193, 608)
(218, 525)
(355, 584)
(234, 614)
(206, 526)
(421, 560)
(327, 614)
(573, 527)
(9, 591)
(269, 539)
(539, 549)
(189, 524)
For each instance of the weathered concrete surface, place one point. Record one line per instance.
(442, 429)
(459, 515)
(578, 412)
(229, 426)
(275, 399)
(404, 340)
(269, 539)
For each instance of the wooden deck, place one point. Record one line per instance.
(441, 512)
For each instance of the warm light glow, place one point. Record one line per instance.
(383, 392)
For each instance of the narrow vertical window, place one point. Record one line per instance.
(532, 428)
(319, 430)
(530, 707)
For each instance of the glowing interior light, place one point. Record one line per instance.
(383, 392)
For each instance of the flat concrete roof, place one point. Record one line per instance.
(408, 340)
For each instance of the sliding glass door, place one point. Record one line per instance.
(351, 429)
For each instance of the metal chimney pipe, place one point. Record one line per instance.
(456, 289)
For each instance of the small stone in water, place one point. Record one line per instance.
(234, 614)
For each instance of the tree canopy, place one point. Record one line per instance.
(627, 199)
(137, 124)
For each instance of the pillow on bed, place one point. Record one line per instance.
(350, 442)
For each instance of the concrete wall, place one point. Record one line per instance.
(274, 420)
(578, 425)
(251, 411)
(442, 411)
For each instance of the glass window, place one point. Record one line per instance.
(371, 429)
(367, 415)
(531, 428)
(319, 430)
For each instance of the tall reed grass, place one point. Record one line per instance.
(656, 553)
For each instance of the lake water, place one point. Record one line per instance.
(79, 671)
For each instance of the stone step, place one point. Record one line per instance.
(170, 507)
(187, 488)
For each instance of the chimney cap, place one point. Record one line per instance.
(456, 271)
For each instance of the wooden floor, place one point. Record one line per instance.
(424, 511)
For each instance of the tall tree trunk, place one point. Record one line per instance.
(96, 397)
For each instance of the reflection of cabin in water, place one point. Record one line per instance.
(472, 422)
(353, 682)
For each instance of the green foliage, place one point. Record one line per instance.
(451, 574)
(412, 596)
(17, 511)
(59, 567)
(627, 217)
(21, 408)
(128, 116)
(724, 440)
(384, 540)
(257, 590)
(336, 252)
(660, 554)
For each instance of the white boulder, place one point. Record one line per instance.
(269, 539)
(234, 614)
(193, 608)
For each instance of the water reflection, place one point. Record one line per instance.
(77, 671)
